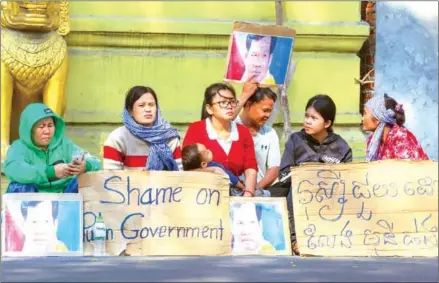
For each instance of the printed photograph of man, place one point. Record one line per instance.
(247, 229)
(40, 227)
(258, 58)
(264, 58)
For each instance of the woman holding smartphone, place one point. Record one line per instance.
(41, 160)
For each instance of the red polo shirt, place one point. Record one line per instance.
(242, 152)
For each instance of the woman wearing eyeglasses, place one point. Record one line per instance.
(231, 144)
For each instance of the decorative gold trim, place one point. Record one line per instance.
(32, 58)
(64, 25)
(207, 42)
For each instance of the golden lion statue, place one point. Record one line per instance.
(34, 60)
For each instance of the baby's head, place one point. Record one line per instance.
(195, 156)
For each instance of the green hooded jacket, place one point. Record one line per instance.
(27, 164)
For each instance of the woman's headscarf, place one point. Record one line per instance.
(385, 116)
(160, 154)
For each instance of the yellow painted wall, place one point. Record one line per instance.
(114, 46)
(179, 48)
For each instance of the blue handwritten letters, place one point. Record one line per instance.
(147, 196)
(185, 209)
(163, 231)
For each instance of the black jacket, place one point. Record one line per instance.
(301, 148)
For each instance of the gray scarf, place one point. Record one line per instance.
(385, 116)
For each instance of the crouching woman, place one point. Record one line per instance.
(41, 160)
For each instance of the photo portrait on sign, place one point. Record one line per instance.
(263, 56)
(259, 226)
(35, 226)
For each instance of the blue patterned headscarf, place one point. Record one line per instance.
(385, 116)
(160, 154)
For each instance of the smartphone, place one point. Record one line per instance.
(77, 158)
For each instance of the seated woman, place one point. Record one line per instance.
(316, 142)
(231, 144)
(146, 140)
(390, 139)
(41, 160)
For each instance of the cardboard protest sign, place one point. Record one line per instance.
(259, 51)
(259, 226)
(157, 213)
(42, 224)
(385, 208)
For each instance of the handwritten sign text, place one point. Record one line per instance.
(386, 208)
(158, 213)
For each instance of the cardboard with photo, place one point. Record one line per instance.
(42, 224)
(261, 52)
(259, 226)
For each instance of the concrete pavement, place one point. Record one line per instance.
(196, 269)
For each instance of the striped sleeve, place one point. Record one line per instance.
(114, 149)
(175, 146)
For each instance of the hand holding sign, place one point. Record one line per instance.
(249, 87)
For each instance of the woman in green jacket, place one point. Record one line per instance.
(41, 160)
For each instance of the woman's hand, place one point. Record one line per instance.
(63, 170)
(249, 88)
(77, 167)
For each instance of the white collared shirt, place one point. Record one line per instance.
(226, 145)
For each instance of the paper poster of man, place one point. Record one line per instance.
(259, 226)
(42, 227)
(259, 52)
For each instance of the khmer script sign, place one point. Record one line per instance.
(385, 208)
